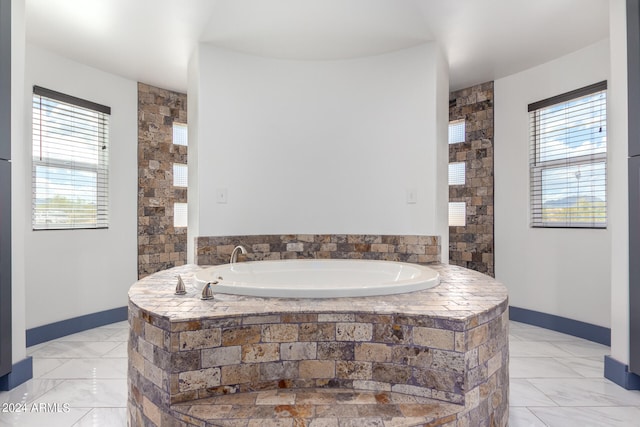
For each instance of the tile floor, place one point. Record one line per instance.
(556, 380)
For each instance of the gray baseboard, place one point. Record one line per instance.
(66, 327)
(619, 373)
(21, 372)
(576, 328)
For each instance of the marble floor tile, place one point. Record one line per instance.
(588, 367)
(97, 334)
(69, 349)
(117, 325)
(523, 393)
(29, 391)
(32, 349)
(589, 417)
(90, 368)
(539, 367)
(523, 417)
(42, 366)
(89, 393)
(583, 348)
(103, 417)
(540, 334)
(39, 419)
(119, 350)
(536, 349)
(121, 335)
(586, 392)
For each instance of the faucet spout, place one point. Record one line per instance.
(234, 254)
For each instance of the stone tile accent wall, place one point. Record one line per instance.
(160, 244)
(472, 246)
(447, 343)
(217, 250)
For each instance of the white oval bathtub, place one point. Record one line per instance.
(318, 278)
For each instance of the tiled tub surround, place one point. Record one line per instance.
(444, 349)
(214, 250)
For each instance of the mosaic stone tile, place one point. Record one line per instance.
(373, 352)
(354, 331)
(241, 335)
(298, 350)
(195, 340)
(203, 378)
(353, 370)
(160, 244)
(221, 356)
(472, 246)
(317, 369)
(214, 250)
(238, 374)
(434, 338)
(280, 333)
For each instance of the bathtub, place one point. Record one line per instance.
(318, 278)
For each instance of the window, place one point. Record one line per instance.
(180, 136)
(456, 173)
(180, 213)
(457, 214)
(70, 162)
(456, 131)
(180, 175)
(568, 160)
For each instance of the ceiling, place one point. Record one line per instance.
(151, 40)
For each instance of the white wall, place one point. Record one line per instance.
(565, 272)
(320, 146)
(69, 273)
(618, 182)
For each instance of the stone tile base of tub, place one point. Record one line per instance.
(316, 407)
(447, 343)
(215, 250)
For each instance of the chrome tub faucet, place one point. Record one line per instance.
(234, 254)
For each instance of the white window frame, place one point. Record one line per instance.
(538, 166)
(45, 127)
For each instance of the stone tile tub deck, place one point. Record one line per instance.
(437, 357)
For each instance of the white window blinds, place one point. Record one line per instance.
(70, 162)
(568, 159)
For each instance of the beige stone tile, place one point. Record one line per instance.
(241, 335)
(353, 370)
(195, 380)
(298, 351)
(194, 340)
(221, 356)
(434, 338)
(317, 369)
(239, 374)
(261, 352)
(354, 331)
(373, 352)
(280, 333)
